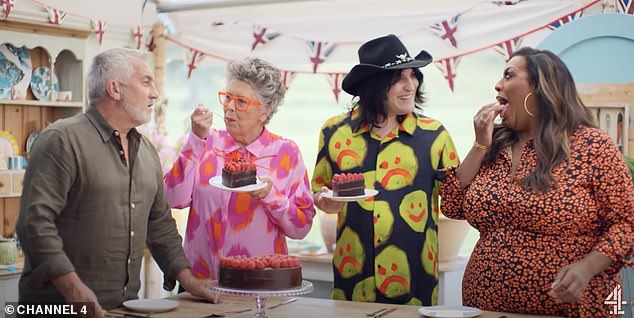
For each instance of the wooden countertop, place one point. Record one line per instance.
(5, 274)
(304, 307)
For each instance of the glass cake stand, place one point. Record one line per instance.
(261, 295)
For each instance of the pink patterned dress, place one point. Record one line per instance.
(223, 223)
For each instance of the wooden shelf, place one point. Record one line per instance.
(42, 103)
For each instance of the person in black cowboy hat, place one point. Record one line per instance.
(386, 248)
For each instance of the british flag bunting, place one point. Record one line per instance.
(56, 16)
(193, 58)
(319, 52)
(262, 35)
(6, 6)
(335, 79)
(507, 48)
(446, 29)
(565, 20)
(100, 28)
(287, 78)
(625, 6)
(448, 69)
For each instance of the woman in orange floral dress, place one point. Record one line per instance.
(550, 194)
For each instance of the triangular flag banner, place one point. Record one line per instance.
(287, 78)
(335, 79)
(446, 29)
(99, 27)
(6, 6)
(319, 52)
(56, 16)
(262, 35)
(150, 45)
(625, 6)
(565, 20)
(506, 2)
(448, 68)
(507, 48)
(193, 58)
(137, 34)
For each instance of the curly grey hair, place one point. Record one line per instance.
(113, 64)
(263, 77)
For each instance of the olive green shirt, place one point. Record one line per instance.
(84, 210)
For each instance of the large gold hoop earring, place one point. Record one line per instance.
(525, 106)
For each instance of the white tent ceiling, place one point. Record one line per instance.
(223, 29)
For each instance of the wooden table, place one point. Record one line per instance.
(303, 308)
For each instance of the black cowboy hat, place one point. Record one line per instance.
(382, 54)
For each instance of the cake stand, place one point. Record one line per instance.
(261, 295)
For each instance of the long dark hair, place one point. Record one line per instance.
(561, 112)
(372, 95)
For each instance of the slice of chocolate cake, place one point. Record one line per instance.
(348, 184)
(237, 171)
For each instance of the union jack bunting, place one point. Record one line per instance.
(448, 68)
(335, 79)
(319, 52)
(56, 16)
(137, 34)
(287, 78)
(100, 28)
(507, 48)
(150, 45)
(565, 20)
(6, 6)
(193, 58)
(625, 6)
(446, 29)
(261, 35)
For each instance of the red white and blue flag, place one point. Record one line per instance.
(448, 69)
(625, 6)
(56, 16)
(319, 52)
(287, 78)
(137, 34)
(100, 28)
(335, 79)
(193, 58)
(507, 48)
(6, 6)
(262, 35)
(446, 29)
(565, 20)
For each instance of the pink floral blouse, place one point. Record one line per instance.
(223, 223)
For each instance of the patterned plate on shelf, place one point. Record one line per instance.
(8, 145)
(15, 71)
(41, 83)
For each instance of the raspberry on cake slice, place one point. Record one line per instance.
(238, 171)
(348, 184)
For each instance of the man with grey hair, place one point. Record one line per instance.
(93, 197)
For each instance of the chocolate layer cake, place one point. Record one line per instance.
(269, 272)
(238, 179)
(348, 185)
(260, 279)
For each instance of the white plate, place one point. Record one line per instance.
(217, 182)
(368, 193)
(151, 305)
(449, 311)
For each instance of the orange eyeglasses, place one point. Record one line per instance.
(240, 103)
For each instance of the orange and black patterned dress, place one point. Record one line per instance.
(526, 238)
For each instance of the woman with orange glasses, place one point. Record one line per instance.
(225, 223)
